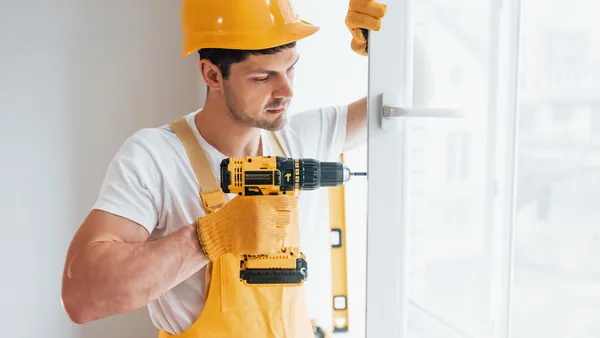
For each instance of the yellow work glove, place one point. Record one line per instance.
(251, 225)
(363, 15)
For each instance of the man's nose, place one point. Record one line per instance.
(284, 90)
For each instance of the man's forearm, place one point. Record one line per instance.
(112, 277)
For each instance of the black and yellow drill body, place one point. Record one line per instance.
(275, 175)
(258, 175)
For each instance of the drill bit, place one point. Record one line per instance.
(348, 174)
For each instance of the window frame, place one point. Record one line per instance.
(391, 82)
(387, 230)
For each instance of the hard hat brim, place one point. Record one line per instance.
(252, 40)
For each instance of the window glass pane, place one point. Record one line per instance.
(556, 286)
(446, 159)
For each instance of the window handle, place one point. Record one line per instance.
(392, 113)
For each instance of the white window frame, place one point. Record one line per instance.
(390, 83)
(387, 232)
(504, 169)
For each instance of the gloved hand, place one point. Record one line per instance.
(363, 15)
(249, 225)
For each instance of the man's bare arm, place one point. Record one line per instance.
(356, 128)
(111, 269)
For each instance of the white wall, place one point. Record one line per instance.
(76, 78)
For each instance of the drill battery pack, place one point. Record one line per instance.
(287, 268)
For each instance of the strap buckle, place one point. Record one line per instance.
(213, 200)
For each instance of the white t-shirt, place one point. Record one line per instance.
(150, 181)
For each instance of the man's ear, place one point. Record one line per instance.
(211, 74)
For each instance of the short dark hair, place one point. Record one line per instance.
(224, 58)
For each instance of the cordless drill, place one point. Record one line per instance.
(275, 175)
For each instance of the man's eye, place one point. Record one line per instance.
(261, 79)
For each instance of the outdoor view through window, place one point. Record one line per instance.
(555, 291)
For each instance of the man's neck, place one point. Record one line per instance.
(225, 134)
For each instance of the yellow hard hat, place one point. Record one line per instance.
(240, 24)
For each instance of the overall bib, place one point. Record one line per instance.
(232, 309)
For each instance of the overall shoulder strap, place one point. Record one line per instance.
(210, 192)
(278, 148)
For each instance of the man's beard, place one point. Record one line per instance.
(244, 118)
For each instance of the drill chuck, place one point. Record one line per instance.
(317, 174)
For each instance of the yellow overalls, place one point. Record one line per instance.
(232, 309)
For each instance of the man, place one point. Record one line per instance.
(157, 237)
